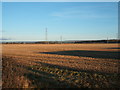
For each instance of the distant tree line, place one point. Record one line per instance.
(99, 41)
(65, 42)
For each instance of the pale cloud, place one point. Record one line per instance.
(85, 12)
(66, 14)
(80, 14)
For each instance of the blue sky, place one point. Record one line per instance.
(0, 20)
(71, 20)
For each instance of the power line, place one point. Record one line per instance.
(46, 34)
(61, 39)
(107, 40)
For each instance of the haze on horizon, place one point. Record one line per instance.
(71, 20)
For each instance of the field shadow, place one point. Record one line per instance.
(72, 69)
(30, 76)
(42, 79)
(87, 53)
(114, 48)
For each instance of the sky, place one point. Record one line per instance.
(71, 20)
(60, 0)
(0, 20)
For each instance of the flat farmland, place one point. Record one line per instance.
(60, 65)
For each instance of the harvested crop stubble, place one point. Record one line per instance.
(51, 65)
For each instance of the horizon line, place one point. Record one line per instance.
(53, 40)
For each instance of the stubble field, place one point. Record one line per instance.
(60, 65)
